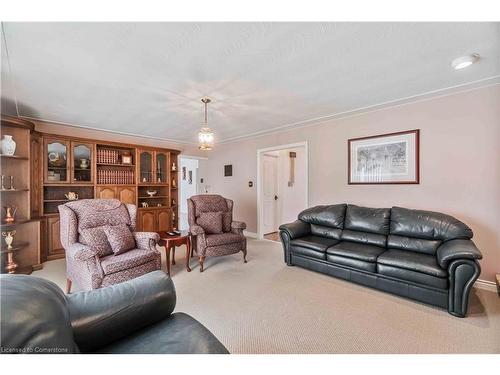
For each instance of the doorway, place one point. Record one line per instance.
(188, 186)
(282, 181)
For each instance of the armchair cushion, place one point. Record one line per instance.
(97, 239)
(227, 219)
(120, 238)
(222, 239)
(120, 262)
(211, 222)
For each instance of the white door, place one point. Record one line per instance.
(188, 178)
(269, 192)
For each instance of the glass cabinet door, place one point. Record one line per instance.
(145, 166)
(82, 163)
(161, 167)
(56, 161)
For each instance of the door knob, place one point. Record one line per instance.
(275, 197)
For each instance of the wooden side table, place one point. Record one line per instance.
(170, 242)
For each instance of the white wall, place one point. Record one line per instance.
(459, 164)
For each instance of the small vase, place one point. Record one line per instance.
(8, 145)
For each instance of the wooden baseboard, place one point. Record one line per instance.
(250, 234)
(486, 285)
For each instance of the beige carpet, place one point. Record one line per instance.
(266, 307)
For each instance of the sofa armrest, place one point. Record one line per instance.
(457, 249)
(101, 316)
(81, 252)
(146, 240)
(296, 229)
(196, 230)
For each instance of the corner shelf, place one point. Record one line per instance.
(14, 157)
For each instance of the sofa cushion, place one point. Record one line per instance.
(222, 239)
(364, 237)
(132, 258)
(304, 251)
(211, 222)
(96, 238)
(419, 245)
(367, 253)
(364, 219)
(413, 276)
(329, 216)
(410, 260)
(314, 243)
(352, 263)
(120, 238)
(427, 224)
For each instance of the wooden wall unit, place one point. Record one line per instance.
(24, 195)
(106, 174)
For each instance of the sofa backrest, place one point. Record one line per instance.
(366, 225)
(423, 231)
(326, 221)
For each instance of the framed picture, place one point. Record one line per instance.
(190, 178)
(228, 170)
(184, 173)
(384, 159)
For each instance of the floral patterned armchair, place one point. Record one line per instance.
(90, 261)
(211, 224)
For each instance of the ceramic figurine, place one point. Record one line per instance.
(8, 145)
(9, 238)
(71, 196)
(174, 167)
(151, 193)
(84, 163)
(10, 213)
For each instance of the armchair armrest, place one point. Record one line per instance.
(196, 230)
(81, 252)
(296, 229)
(146, 240)
(238, 225)
(101, 316)
(457, 249)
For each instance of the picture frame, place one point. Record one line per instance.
(392, 158)
(228, 170)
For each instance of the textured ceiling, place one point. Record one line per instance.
(148, 78)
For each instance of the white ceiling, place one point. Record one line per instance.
(148, 78)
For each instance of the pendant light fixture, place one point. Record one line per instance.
(205, 136)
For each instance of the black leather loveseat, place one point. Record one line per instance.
(423, 255)
(131, 317)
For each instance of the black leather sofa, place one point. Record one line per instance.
(131, 317)
(423, 255)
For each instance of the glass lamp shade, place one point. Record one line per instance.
(205, 139)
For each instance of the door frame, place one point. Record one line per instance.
(260, 152)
